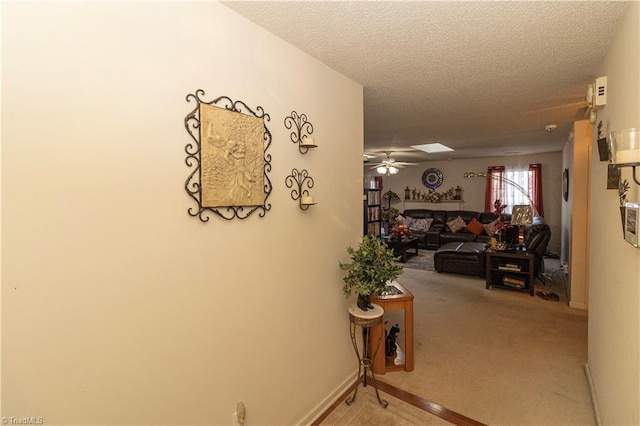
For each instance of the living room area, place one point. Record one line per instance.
(122, 305)
(490, 337)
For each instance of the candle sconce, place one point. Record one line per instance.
(302, 132)
(297, 180)
(625, 150)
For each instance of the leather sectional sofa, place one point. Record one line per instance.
(439, 232)
(470, 258)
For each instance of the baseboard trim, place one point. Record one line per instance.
(326, 403)
(578, 305)
(592, 391)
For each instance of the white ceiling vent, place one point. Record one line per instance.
(600, 92)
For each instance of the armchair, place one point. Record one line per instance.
(538, 238)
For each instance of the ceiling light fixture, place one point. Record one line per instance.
(550, 127)
(387, 170)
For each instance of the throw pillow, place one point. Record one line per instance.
(410, 222)
(475, 227)
(456, 224)
(423, 224)
(491, 227)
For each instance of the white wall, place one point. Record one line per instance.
(117, 306)
(614, 293)
(474, 189)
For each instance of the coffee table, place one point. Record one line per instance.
(401, 246)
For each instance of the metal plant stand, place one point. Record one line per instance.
(365, 320)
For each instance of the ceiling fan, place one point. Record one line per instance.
(389, 166)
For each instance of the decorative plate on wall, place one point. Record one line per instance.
(432, 178)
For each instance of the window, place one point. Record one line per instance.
(512, 195)
(514, 186)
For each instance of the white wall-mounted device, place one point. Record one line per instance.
(596, 97)
(600, 92)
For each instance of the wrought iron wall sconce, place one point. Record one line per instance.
(297, 180)
(301, 134)
(625, 150)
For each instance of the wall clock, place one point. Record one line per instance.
(432, 178)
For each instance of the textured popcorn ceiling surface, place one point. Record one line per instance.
(484, 78)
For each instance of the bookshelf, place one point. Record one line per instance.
(373, 207)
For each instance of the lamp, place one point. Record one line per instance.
(510, 182)
(624, 147)
(520, 214)
(387, 169)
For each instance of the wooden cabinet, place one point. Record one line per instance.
(513, 270)
(402, 301)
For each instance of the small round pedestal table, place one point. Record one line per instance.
(365, 320)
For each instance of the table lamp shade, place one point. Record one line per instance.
(522, 215)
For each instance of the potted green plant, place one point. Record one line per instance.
(372, 265)
(389, 215)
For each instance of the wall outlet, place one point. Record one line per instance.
(565, 268)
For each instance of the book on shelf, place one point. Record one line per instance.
(373, 198)
(514, 268)
(514, 281)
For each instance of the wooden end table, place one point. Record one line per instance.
(403, 301)
(513, 270)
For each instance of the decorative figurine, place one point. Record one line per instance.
(407, 193)
(390, 342)
(458, 195)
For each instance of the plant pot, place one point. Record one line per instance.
(364, 302)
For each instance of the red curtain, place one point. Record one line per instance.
(535, 187)
(495, 187)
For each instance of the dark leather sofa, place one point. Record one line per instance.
(469, 257)
(439, 233)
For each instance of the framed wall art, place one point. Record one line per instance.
(228, 157)
(613, 177)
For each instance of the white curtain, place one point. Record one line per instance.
(521, 176)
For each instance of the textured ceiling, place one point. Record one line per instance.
(483, 77)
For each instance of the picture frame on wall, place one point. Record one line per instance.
(613, 177)
(603, 149)
(227, 157)
(565, 184)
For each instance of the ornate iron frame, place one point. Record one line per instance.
(193, 150)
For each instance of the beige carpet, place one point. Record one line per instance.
(497, 356)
